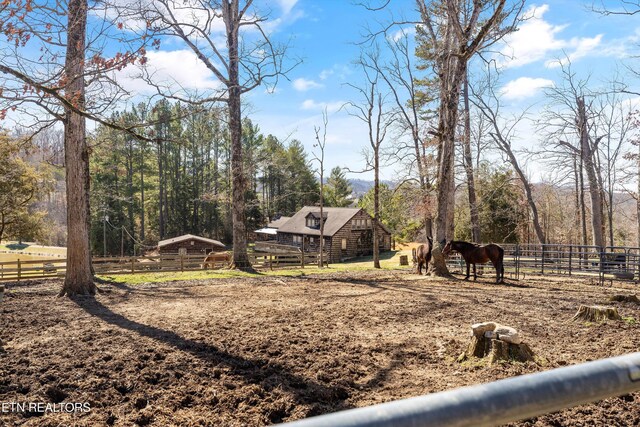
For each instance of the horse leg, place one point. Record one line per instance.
(475, 276)
(499, 271)
(420, 267)
(468, 266)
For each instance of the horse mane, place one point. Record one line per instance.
(465, 244)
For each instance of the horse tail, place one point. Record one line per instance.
(413, 255)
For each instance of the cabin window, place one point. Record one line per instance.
(193, 243)
(368, 223)
(297, 239)
(311, 240)
(344, 244)
(313, 222)
(182, 251)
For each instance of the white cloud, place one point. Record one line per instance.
(524, 87)
(402, 32)
(533, 40)
(582, 47)
(303, 85)
(177, 69)
(287, 5)
(341, 71)
(537, 39)
(331, 107)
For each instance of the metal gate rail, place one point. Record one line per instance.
(497, 402)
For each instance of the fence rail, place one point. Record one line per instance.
(612, 262)
(498, 402)
(56, 267)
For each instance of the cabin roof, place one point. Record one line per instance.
(276, 223)
(188, 237)
(335, 219)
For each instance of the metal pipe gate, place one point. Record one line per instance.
(497, 402)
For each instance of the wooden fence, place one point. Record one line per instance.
(56, 267)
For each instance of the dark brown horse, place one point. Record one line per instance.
(477, 254)
(422, 255)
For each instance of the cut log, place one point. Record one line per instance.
(404, 260)
(624, 298)
(498, 342)
(596, 313)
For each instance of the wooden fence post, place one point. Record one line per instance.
(133, 266)
(182, 263)
(19, 269)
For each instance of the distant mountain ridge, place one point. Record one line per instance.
(359, 187)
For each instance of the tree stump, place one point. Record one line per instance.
(624, 298)
(596, 313)
(498, 342)
(404, 260)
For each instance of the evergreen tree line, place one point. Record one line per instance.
(143, 192)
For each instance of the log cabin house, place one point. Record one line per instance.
(348, 232)
(191, 245)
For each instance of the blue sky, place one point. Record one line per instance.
(324, 33)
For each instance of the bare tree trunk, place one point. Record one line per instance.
(594, 188)
(468, 165)
(161, 190)
(376, 208)
(78, 278)
(583, 207)
(232, 23)
(577, 198)
(638, 198)
(142, 146)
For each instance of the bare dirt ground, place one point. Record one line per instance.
(267, 350)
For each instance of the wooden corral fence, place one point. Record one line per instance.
(277, 260)
(607, 263)
(49, 268)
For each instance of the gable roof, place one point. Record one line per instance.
(276, 223)
(187, 237)
(316, 214)
(336, 218)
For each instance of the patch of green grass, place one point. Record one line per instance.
(29, 249)
(630, 320)
(358, 264)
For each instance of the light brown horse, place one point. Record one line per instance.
(216, 257)
(478, 254)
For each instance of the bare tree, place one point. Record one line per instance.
(613, 122)
(321, 144)
(488, 104)
(468, 164)
(569, 121)
(247, 60)
(452, 32)
(371, 110)
(395, 65)
(42, 91)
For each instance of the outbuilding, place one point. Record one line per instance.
(190, 244)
